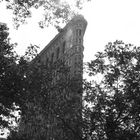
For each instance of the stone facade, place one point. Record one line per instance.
(67, 46)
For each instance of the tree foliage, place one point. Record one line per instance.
(13, 71)
(44, 95)
(55, 11)
(8, 76)
(112, 110)
(51, 109)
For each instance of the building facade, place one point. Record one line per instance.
(67, 46)
(64, 105)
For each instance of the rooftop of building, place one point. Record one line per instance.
(74, 19)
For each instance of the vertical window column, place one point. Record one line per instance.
(64, 47)
(52, 57)
(57, 53)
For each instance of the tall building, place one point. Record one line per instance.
(67, 45)
(62, 122)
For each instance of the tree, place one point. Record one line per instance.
(55, 11)
(12, 79)
(30, 87)
(47, 106)
(112, 107)
(50, 108)
(8, 77)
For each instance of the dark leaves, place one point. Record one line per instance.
(114, 112)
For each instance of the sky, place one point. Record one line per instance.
(108, 20)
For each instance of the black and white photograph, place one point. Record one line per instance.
(69, 69)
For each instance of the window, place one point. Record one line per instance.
(77, 48)
(52, 57)
(63, 47)
(78, 32)
(80, 41)
(57, 53)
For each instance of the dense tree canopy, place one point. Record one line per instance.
(112, 109)
(8, 75)
(12, 79)
(30, 87)
(48, 108)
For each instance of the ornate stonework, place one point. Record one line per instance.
(67, 45)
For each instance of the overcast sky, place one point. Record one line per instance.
(108, 20)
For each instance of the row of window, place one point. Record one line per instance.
(77, 49)
(76, 60)
(58, 52)
(56, 55)
(78, 40)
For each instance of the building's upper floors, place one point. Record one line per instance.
(67, 42)
(67, 46)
